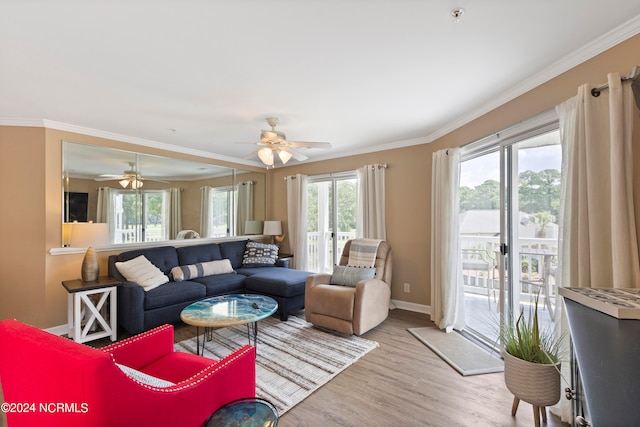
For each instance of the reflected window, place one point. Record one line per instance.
(218, 215)
(137, 216)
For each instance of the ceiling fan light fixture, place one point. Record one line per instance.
(266, 156)
(285, 156)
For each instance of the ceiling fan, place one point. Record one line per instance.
(128, 179)
(275, 142)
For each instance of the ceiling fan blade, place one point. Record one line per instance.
(303, 144)
(296, 154)
(109, 178)
(154, 180)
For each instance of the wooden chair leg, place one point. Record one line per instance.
(536, 416)
(514, 407)
(543, 413)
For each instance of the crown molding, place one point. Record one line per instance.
(67, 127)
(596, 47)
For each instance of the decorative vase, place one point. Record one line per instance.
(535, 383)
(90, 267)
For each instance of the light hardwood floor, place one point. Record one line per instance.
(401, 383)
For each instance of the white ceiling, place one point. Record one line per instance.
(360, 74)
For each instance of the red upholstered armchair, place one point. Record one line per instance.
(50, 380)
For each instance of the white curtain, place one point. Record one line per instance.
(205, 211)
(297, 219)
(244, 206)
(174, 212)
(598, 245)
(371, 202)
(106, 211)
(447, 293)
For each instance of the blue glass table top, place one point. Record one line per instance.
(251, 412)
(228, 310)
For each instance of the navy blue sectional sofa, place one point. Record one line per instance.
(139, 311)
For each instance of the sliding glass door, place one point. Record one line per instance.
(332, 210)
(509, 205)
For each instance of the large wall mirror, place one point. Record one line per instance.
(147, 198)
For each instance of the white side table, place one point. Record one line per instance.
(92, 309)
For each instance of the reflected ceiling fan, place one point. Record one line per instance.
(275, 142)
(128, 179)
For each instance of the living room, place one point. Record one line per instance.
(31, 158)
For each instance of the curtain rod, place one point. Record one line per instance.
(635, 72)
(380, 166)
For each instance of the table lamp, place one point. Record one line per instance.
(272, 228)
(253, 227)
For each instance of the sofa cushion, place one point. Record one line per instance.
(348, 276)
(174, 293)
(279, 281)
(201, 269)
(141, 271)
(259, 255)
(163, 257)
(198, 253)
(223, 283)
(233, 251)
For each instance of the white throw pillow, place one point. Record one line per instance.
(141, 271)
(144, 378)
(201, 269)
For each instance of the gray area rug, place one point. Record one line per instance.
(293, 358)
(463, 355)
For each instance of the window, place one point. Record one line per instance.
(140, 216)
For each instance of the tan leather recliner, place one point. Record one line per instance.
(351, 310)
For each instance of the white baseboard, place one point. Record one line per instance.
(410, 306)
(58, 330)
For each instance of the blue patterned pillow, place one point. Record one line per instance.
(259, 255)
(348, 276)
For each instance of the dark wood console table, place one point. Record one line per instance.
(607, 351)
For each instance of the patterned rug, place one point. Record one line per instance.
(293, 358)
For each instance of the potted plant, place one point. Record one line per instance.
(531, 362)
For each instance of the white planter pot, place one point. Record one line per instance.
(534, 383)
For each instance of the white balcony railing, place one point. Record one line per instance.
(320, 249)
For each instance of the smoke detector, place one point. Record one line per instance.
(457, 13)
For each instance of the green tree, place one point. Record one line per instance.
(540, 191)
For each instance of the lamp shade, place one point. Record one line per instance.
(285, 156)
(266, 156)
(272, 228)
(85, 234)
(253, 227)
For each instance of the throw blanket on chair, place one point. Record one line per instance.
(363, 252)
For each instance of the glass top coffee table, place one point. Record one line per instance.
(250, 412)
(228, 310)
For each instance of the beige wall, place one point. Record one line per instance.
(30, 188)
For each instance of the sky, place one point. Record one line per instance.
(476, 171)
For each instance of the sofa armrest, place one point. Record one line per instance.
(317, 279)
(131, 307)
(371, 304)
(140, 350)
